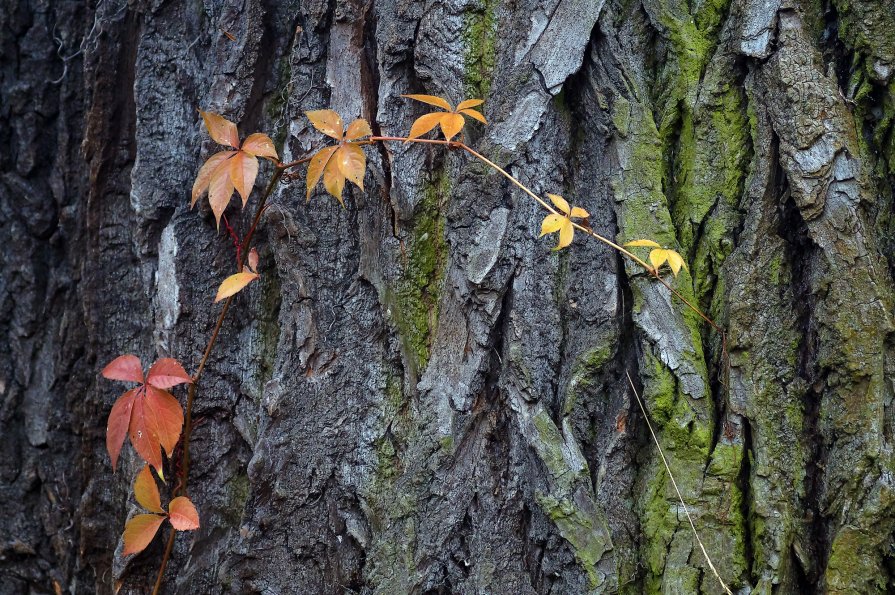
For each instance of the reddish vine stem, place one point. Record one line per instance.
(191, 393)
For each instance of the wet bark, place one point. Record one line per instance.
(420, 396)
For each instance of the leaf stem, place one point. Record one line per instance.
(191, 393)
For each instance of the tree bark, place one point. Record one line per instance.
(420, 396)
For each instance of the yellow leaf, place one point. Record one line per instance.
(327, 121)
(234, 284)
(474, 114)
(316, 166)
(221, 130)
(676, 261)
(259, 145)
(146, 491)
(560, 203)
(203, 178)
(551, 223)
(334, 180)
(431, 100)
(657, 257)
(243, 171)
(470, 103)
(451, 124)
(566, 233)
(643, 244)
(352, 163)
(358, 129)
(424, 124)
(578, 212)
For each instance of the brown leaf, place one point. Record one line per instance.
(139, 531)
(222, 130)
(203, 179)
(316, 166)
(327, 121)
(260, 145)
(352, 163)
(431, 100)
(234, 284)
(424, 124)
(358, 129)
(183, 514)
(146, 491)
(243, 171)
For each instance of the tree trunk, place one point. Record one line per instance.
(420, 396)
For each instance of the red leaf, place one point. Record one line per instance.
(139, 531)
(164, 415)
(119, 420)
(124, 367)
(146, 491)
(143, 434)
(183, 514)
(167, 372)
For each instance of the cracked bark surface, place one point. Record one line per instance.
(420, 396)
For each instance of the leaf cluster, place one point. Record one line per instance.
(141, 528)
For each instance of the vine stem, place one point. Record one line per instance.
(676, 489)
(191, 392)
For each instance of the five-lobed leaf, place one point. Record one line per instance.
(562, 221)
(182, 514)
(451, 122)
(659, 256)
(338, 163)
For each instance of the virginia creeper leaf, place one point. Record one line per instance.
(119, 420)
(220, 190)
(139, 531)
(333, 179)
(327, 121)
(358, 129)
(253, 260)
(234, 284)
(259, 145)
(203, 179)
(183, 514)
(352, 163)
(657, 257)
(643, 244)
(560, 203)
(431, 100)
(578, 212)
(222, 130)
(451, 124)
(316, 166)
(146, 491)
(167, 372)
(474, 114)
(243, 171)
(165, 412)
(552, 223)
(124, 367)
(467, 103)
(143, 433)
(424, 124)
(566, 233)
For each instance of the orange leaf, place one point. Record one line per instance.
(167, 372)
(165, 412)
(431, 100)
(234, 284)
(220, 190)
(424, 124)
(451, 124)
(222, 130)
(352, 163)
(203, 178)
(119, 420)
(243, 171)
(327, 121)
(316, 166)
(469, 103)
(183, 514)
(333, 179)
(143, 434)
(124, 367)
(259, 145)
(358, 129)
(139, 531)
(474, 114)
(146, 491)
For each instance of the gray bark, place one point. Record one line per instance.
(420, 396)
